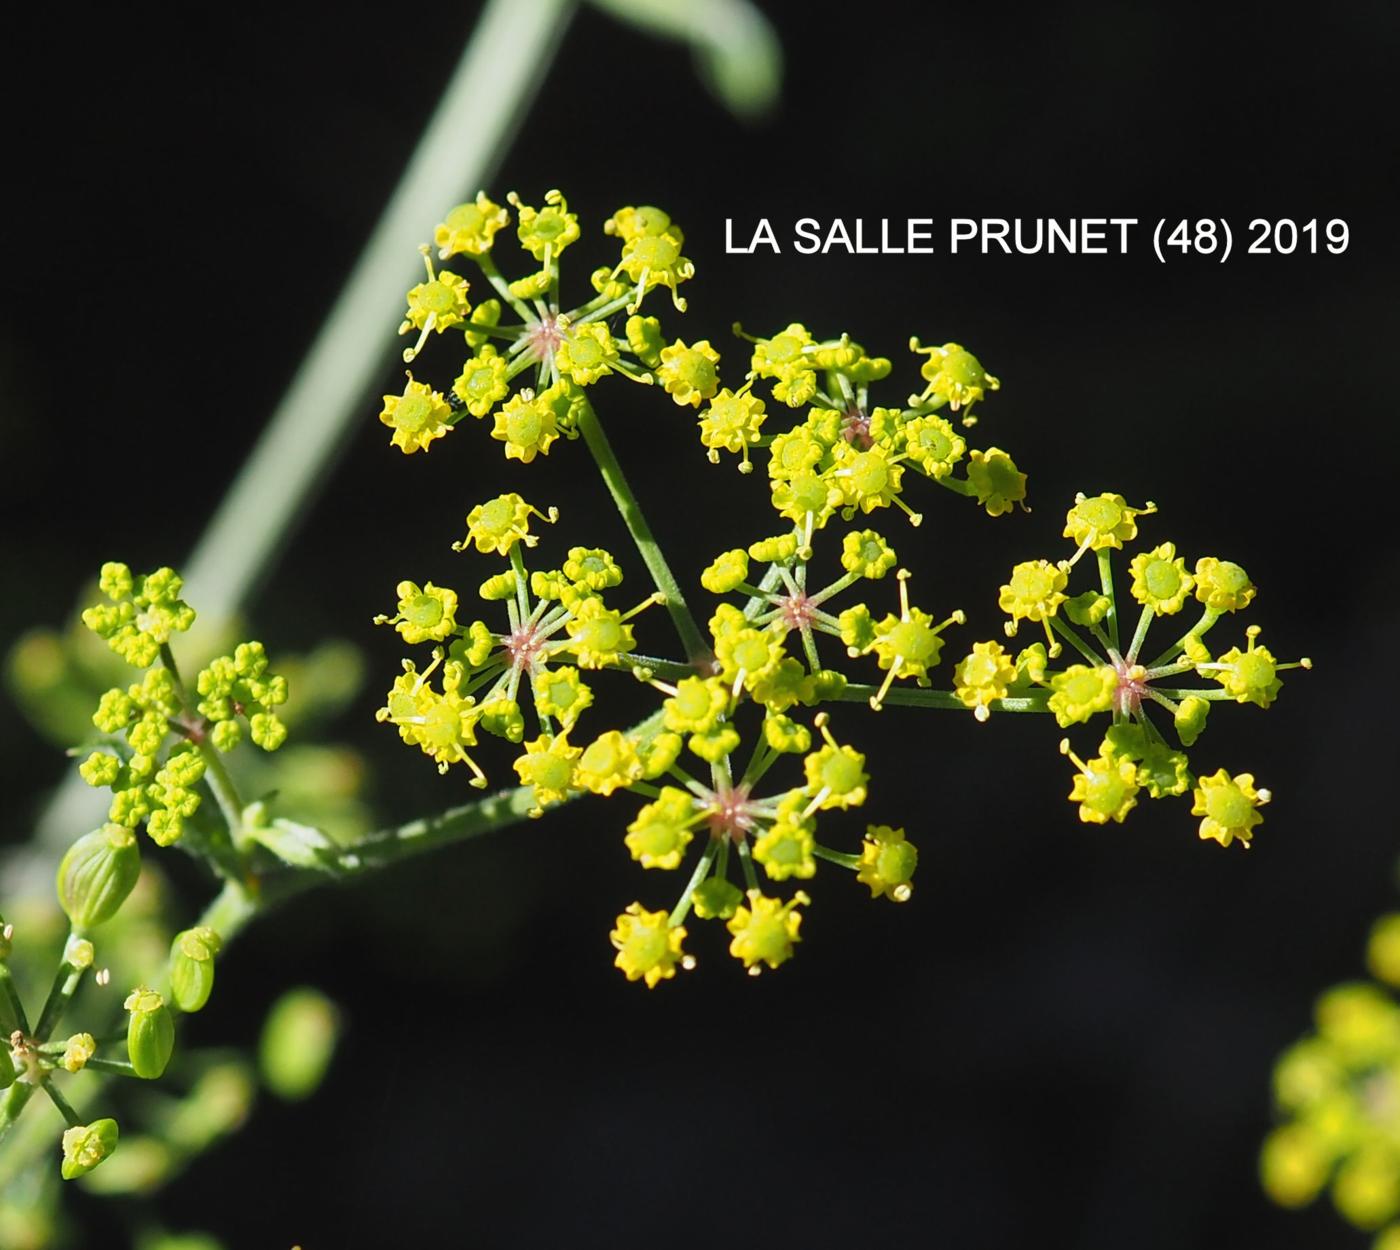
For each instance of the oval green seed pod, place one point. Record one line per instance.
(192, 967)
(150, 1033)
(96, 875)
(7, 1067)
(86, 1145)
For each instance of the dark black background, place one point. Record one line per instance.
(1066, 1038)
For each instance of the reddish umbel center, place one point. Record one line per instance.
(730, 815)
(797, 610)
(523, 644)
(1132, 686)
(855, 429)
(544, 338)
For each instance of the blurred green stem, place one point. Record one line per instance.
(506, 59)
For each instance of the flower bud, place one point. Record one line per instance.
(1191, 719)
(96, 875)
(150, 1032)
(297, 1043)
(192, 967)
(86, 1145)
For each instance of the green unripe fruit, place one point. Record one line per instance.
(97, 874)
(150, 1033)
(192, 967)
(85, 1146)
(7, 1067)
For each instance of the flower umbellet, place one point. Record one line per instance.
(1336, 1093)
(819, 614)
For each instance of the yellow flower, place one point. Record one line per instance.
(1230, 807)
(598, 634)
(426, 614)
(1251, 676)
(470, 228)
(545, 232)
(648, 947)
(659, 835)
(954, 375)
(1223, 586)
(1034, 592)
(609, 763)
(1293, 1166)
(548, 765)
(1160, 580)
(1080, 692)
(562, 694)
(1105, 788)
(527, 426)
(996, 481)
(435, 305)
(500, 523)
(417, 417)
(689, 375)
(887, 862)
(1383, 949)
(983, 676)
(482, 384)
(732, 422)
(1102, 522)
(586, 353)
(766, 930)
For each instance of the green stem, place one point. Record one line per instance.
(637, 526)
(65, 1108)
(835, 857)
(110, 1067)
(222, 853)
(12, 1015)
(659, 668)
(1071, 635)
(64, 987)
(682, 908)
(1140, 633)
(746, 863)
(945, 700)
(1208, 618)
(14, 1102)
(1106, 580)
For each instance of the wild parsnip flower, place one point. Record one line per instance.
(1230, 806)
(766, 930)
(954, 377)
(648, 946)
(417, 417)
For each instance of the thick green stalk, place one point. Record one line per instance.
(636, 522)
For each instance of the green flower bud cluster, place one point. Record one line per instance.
(239, 686)
(141, 613)
(558, 350)
(150, 784)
